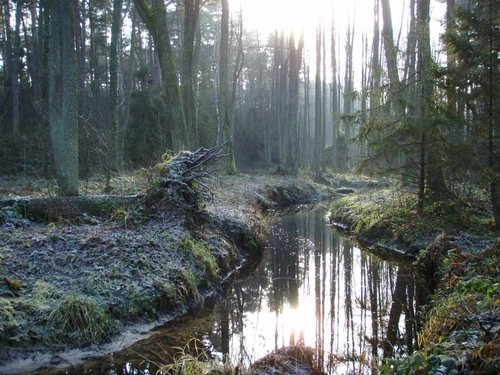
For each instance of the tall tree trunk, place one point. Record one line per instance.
(7, 46)
(155, 18)
(430, 171)
(63, 103)
(335, 107)
(115, 132)
(493, 157)
(348, 95)
(411, 58)
(280, 71)
(305, 139)
(37, 74)
(293, 100)
(392, 60)
(230, 165)
(15, 77)
(376, 70)
(191, 15)
(324, 98)
(318, 152)
(435, 177)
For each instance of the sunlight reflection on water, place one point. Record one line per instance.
(318, 288)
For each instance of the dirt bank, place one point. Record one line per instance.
(74, 288)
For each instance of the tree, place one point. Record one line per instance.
(63, 103)
(191, 16)
(15, 69)
(224, 110)
(318, 149)
(115, 129)
(474, 42)
(391, 59)
(295, 53)
(155, 18)
(424, 93)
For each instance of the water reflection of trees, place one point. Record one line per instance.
(364, 307)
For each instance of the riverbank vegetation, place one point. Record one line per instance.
(457, 248)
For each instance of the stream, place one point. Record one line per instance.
(314, 286)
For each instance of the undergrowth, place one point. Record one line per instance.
(460, 334)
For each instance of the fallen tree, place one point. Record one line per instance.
(181, 179)
(178, 181)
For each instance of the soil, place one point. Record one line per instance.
(125, 273)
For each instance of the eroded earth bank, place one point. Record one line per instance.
(89, 284)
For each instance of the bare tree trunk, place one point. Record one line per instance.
(348, 95)
(155, 18)
(324, 98)
(318, 152)
(391, 59)
(430, 174)
(335, 106)
(305, 139)
(230, 165)
(376, 69)
(493, 162)
(115, 132)
(293, 100)
(15, 70)
(191, 15)
(7, 46)
(63, 95)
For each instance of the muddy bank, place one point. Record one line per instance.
(72, 289)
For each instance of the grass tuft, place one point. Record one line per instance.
(81, 319)
(194, 359)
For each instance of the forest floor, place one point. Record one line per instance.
(90, 281)
(100, 282)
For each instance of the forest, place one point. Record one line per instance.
(132, 115)
(138, 79)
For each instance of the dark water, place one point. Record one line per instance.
(314, 286)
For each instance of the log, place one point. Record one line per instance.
(69, 207)
(180, 182)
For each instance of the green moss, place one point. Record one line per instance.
(103, 207)
(10, 321)
(373, 216)
(172, 293)
(201, 254)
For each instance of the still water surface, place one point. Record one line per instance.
(314, 286)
